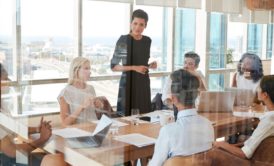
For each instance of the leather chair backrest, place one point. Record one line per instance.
(224, 158)
(265, 151)
(105, 108)
(263, 156)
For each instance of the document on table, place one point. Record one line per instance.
(103, 123)
(136, 139)
(248, 114)
(71, 132)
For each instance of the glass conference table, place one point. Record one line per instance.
(113, 152)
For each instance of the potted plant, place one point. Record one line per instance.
(229, 58)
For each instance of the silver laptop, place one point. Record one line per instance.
(243, 97)
(95, 140)
(216, 101)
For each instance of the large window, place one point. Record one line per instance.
(184, 35)
(47, 48)
(236, 36)
(6, 40)
(269, 41)
(217, 49)
(38, 42)
(255, 39)
(47, 38)
(217, 40)
(103, 23)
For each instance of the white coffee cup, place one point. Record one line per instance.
(164, 119)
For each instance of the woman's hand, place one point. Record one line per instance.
(141, 69)
(98, 103)
(87, 103)
(153, 65)
(45, 131)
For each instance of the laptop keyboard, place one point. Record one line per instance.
(83, 142)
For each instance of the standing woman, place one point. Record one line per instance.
(77, 98)
(133, 50)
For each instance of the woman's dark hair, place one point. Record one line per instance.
(185, 86)
(256, 72)
(267, 85)
(139, 13)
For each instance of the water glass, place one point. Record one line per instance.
(114, 128)
(164, 119)
(135, 116)
(243, 105)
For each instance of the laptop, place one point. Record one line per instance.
(216, 101)
(243, 97)
(96, 139)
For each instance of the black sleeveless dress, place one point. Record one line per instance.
(134, 88)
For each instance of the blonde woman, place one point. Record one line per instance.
(77, 98)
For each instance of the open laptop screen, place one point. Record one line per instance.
(97, 137)
(243, 97)
(216, 101)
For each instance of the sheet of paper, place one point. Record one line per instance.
(71, 132)
(248, 114)
(116, 122)
(136, 139)
(103, 123)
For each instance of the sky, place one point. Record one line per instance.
(56, 18)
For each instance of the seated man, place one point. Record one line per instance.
(191, 133)
(265, 127)
(191, 63)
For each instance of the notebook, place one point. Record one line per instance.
(243, 97)
(96, 139)
(216, 101)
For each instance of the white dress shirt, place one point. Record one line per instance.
(264, 129)
(243, 83)
(190, 134)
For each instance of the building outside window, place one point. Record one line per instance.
(254, 39)
(184, 35)
(269, 41)
(217, 49)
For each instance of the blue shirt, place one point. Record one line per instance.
(190, 134)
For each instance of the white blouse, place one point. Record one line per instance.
(243, 83)
(264, 129)
(75, 97)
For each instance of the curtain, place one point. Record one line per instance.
(194, 4)
(163, 3)
(224, 6)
